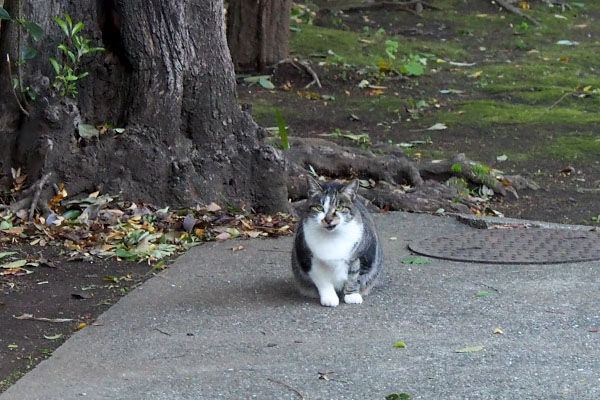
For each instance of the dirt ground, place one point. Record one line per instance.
(76, 290)
(523, 98)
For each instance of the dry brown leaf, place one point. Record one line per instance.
(223, 236)
(213, 207)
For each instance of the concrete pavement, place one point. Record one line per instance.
(229, 325)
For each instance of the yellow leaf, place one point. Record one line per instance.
(199, 232)
(524, 5)
(284, 228)
(81, 326)
(587, 89)
(498, 331)
(400, 345)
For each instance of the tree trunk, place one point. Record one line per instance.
(258, 32)
(170, 84)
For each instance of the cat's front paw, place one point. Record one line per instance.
(354, 298)
(330, 299)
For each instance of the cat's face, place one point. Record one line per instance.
(331, 205)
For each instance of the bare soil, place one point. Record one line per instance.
(76, 290)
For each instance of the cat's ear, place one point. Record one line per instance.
(351, 189)
(314, 187)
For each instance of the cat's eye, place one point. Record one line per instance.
(317, 208)
(341, 208)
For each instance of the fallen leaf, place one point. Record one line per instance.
(31, 317)
(472, 349)
(53, 337)
(437, 127)
(81, 295)
(483, 293)
(7, 253)
(237, 248)
(188, 223)
(503, 157)
(213, 207)
(17, 230)
(400, 345)
(88, 131)
(393, 238)
(81, 326)
(14, 264)
(398, 396)
(498, 331)
(223, 236)
(567, 43)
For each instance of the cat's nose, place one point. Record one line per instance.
(328, 220)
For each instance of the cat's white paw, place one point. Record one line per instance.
(330, 299)
(354, 298)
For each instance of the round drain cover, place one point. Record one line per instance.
(513, 246)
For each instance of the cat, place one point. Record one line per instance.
(336, 248)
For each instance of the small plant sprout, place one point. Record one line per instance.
(73, 49)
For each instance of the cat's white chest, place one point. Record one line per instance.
(336, 245)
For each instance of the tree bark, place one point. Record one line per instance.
(258, 33)
(172, 87)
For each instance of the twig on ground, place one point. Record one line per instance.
(163, 332)
(303, 66)
(287, 385)
(559, 100)
(386, 4)
(313, 75)
(510, 8)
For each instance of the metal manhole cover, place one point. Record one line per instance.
(513, 246)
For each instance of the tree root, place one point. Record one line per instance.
(403, 6)
(30, 199)
(307, 68)
(510, 8)
(389, 180)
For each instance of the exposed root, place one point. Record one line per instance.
(390, 180)
(564, 6)
(307, 68)
(36, 195)
(30, 199)
(510, 8)
(405, 6)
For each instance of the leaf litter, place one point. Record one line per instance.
(103, 226)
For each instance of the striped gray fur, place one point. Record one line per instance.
(335, 217)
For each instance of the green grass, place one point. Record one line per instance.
(350, 47)
(574, 146)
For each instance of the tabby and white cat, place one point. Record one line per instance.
(336, 249)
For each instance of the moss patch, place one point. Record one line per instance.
(484, 113)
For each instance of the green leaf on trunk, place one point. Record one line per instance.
(34, 29)
(88, 131)
(4, 14)
(28, 53)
